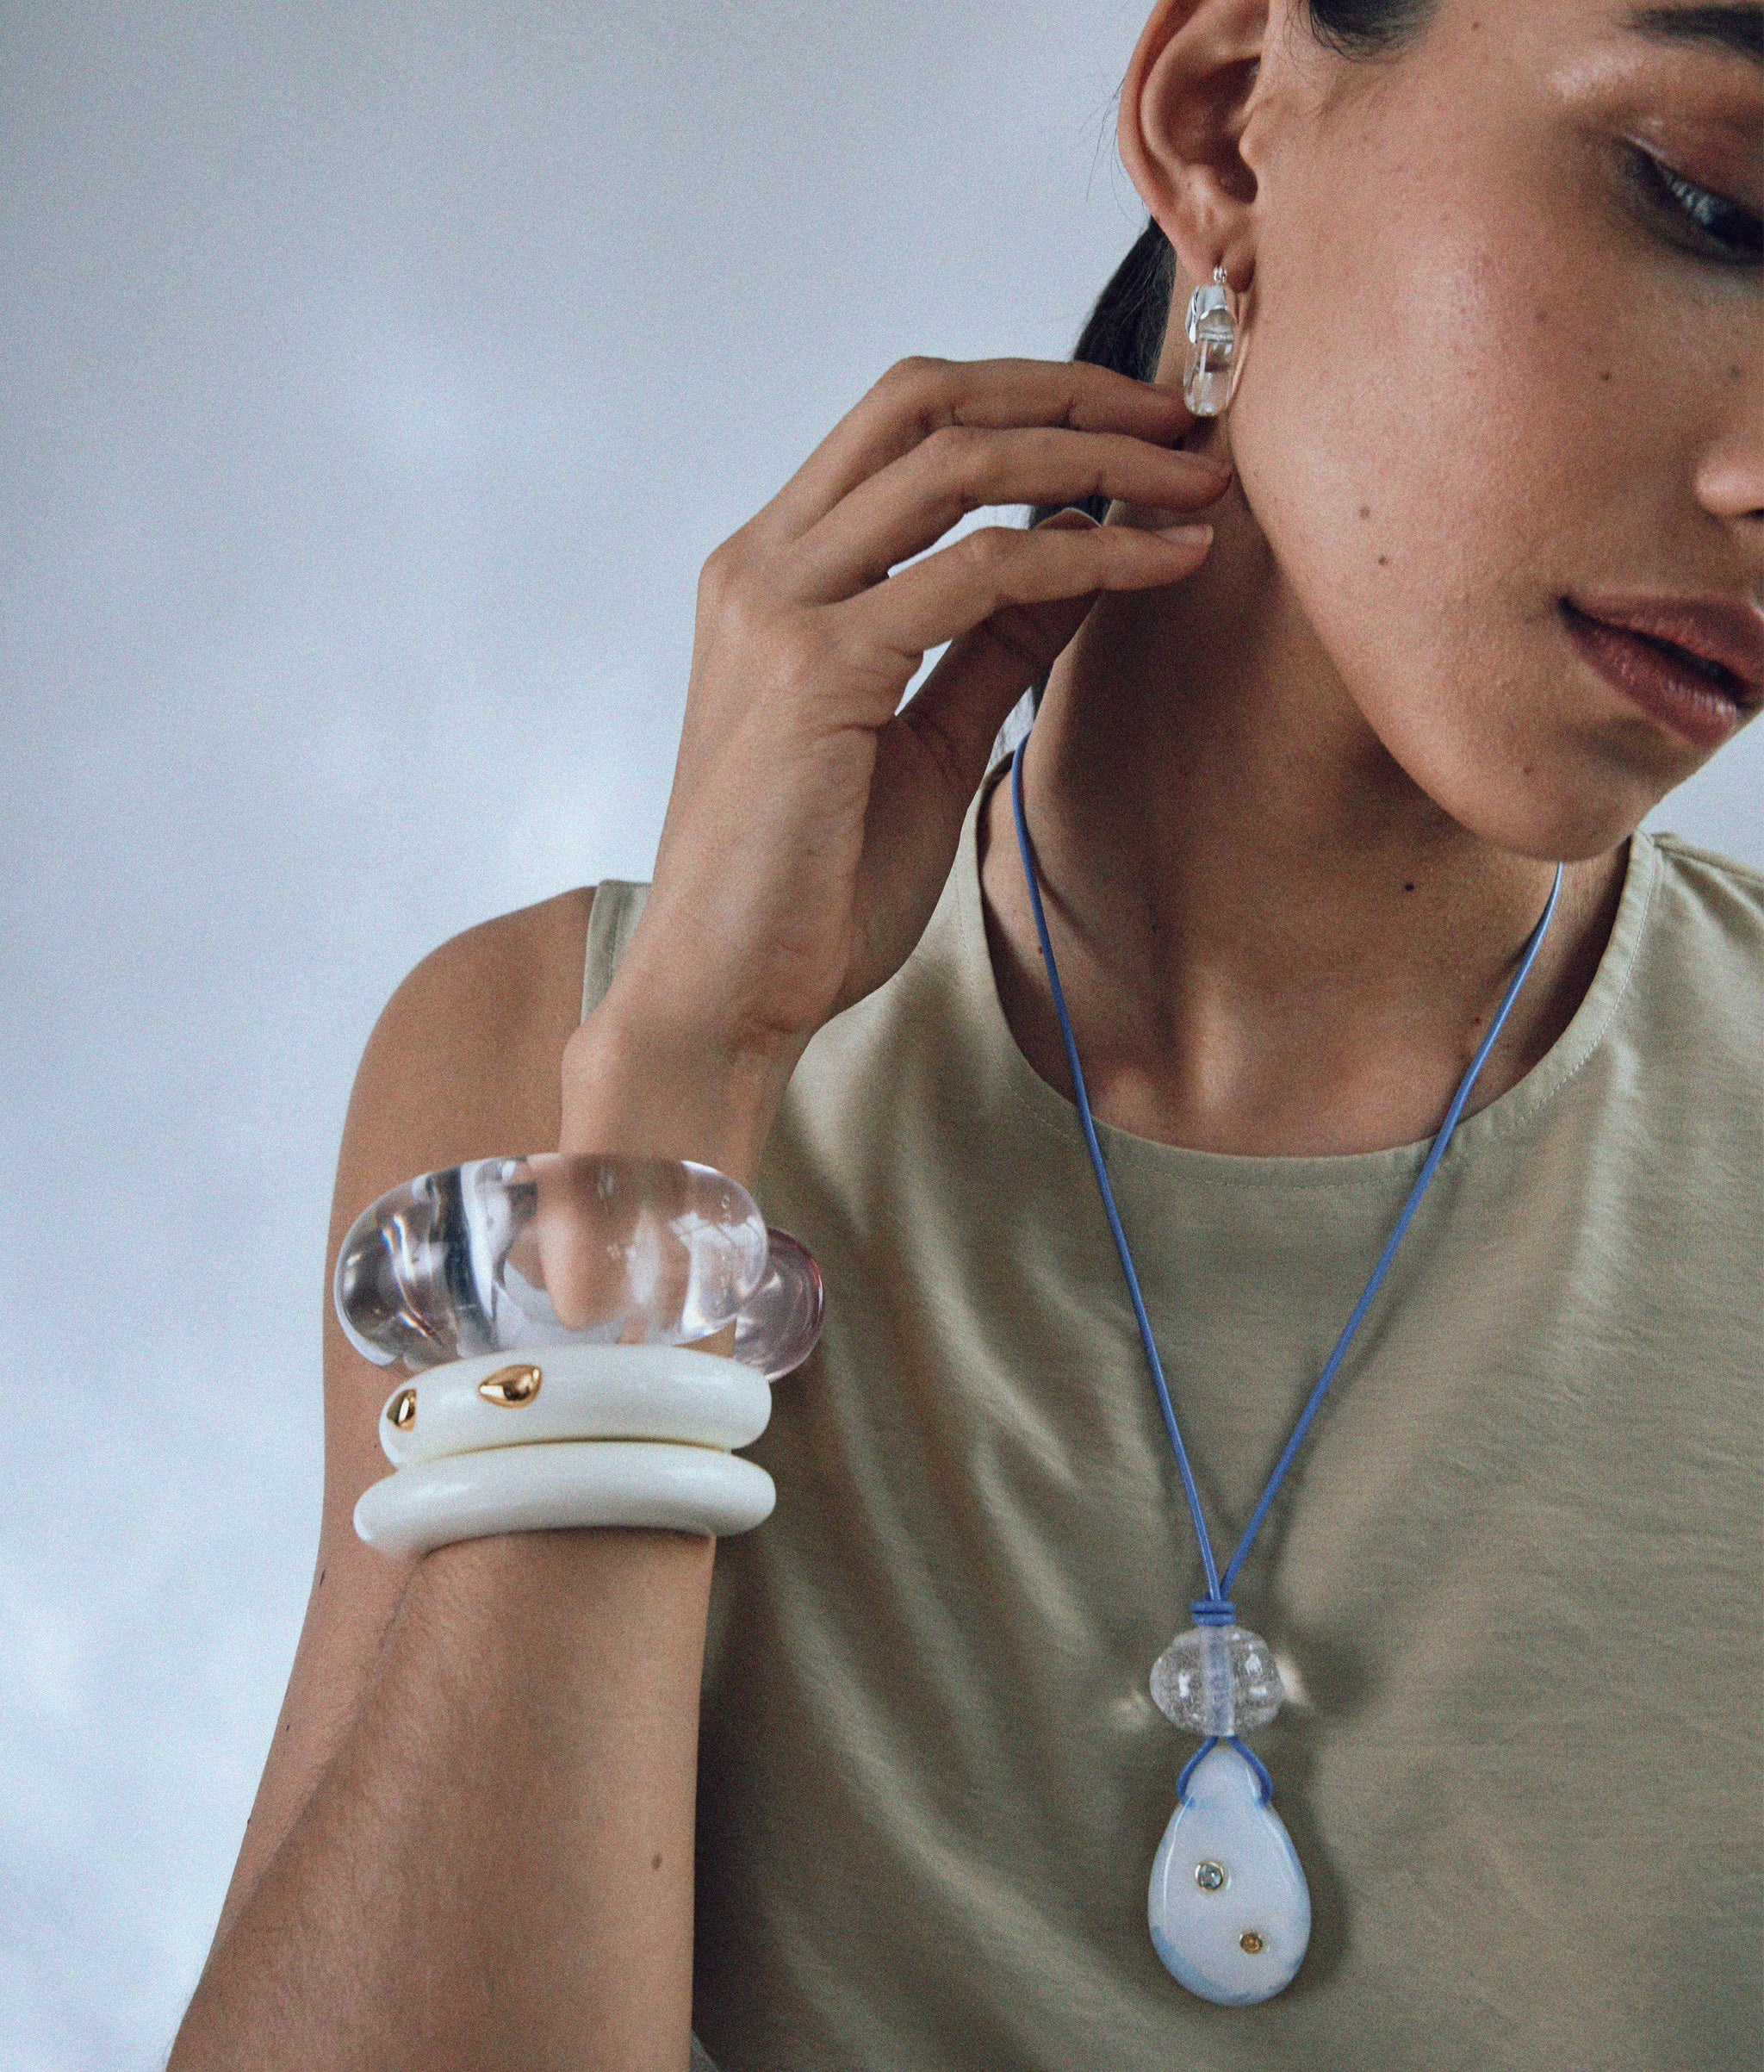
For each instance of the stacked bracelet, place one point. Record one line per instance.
(580, 1435)
(548, 1422)
(668, 1392)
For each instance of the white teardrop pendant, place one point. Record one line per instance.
(1229, 1909)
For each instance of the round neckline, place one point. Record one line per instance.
(1129, 1156)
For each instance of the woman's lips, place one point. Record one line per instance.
(1675, 688)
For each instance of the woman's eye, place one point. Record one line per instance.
(1735, 231)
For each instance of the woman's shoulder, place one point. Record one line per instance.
(1710, 877)
(521, 967)
(1697, 988)
(1709, 908)
(472, 1039)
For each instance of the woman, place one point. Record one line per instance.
(1295, 799)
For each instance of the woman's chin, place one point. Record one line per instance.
(1574, 830)
(1566, 816)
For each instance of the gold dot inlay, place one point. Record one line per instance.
(403, 1410)
(511, 1387)
(1251, 1942)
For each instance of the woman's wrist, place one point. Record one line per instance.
(645, 1086)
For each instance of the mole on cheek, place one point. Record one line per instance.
(1365, 510)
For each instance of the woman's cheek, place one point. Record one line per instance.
(1416, 426)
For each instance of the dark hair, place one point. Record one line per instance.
(1125, 329)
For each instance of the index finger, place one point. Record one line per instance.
(918, 396)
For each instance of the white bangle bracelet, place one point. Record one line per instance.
(575, 1391)
(520, 1489)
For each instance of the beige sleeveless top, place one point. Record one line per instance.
(1515, 1573)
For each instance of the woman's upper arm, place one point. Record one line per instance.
(464, 1062)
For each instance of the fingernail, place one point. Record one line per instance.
(1198, 536)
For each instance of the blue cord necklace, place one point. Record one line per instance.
(1228, 1908)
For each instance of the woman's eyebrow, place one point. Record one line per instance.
(1738, 30)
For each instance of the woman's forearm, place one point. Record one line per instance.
(496, 1869)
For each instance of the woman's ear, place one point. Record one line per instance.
(1184, 105)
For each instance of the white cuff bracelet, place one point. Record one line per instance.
(575, 1391)
(520, 1489)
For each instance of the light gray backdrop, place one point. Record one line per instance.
(376, 380)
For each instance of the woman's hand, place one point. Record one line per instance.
(812, 823)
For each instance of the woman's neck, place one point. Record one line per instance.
(1271, 941)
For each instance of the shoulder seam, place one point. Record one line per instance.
(1680, 850)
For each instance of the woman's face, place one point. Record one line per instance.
(1491, 366)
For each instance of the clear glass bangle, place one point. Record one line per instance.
(506, 1254)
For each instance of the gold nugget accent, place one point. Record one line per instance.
(402, 1409)
(512, 1386)
(1250, 1942)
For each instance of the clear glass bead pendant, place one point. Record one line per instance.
(1228, 1908)
(1212, 360)
(1217, 1680)
(506, 1254)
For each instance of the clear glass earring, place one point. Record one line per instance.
(1212, 329)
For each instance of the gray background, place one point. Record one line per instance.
(376, 380)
